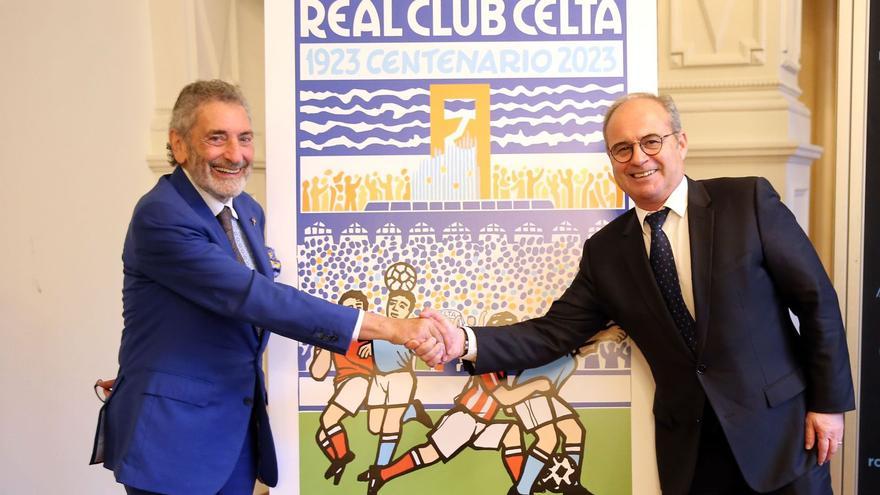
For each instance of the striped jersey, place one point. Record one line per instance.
(477, 396)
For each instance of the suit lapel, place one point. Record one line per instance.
(701, 224)
(189, 194)
(247, 220)
(640, 271)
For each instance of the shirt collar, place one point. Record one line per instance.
(677, 202)
(214, 204)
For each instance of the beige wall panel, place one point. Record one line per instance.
(77, 92)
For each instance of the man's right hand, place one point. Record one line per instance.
(421, 335)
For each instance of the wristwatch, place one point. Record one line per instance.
(467, 343)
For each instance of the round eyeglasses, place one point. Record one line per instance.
(650, 145)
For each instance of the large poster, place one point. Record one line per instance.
(449, 154)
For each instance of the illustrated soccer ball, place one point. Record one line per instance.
(400, 276)
(558, 474)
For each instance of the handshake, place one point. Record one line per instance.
(433, 338)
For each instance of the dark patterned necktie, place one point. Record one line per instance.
(663, 264)
(242, 254)
(238, 246)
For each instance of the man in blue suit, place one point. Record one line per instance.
(188, 410)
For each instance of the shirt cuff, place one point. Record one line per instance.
(357, 326)
(470, 354)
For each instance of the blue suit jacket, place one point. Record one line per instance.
(190, 374)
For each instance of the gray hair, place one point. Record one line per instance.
(664, 100)
(192, 97)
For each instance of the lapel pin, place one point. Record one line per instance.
(253, 221)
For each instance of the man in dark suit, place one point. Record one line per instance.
(746, 401)
(188, 411)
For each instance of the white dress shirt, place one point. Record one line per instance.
(678, 232)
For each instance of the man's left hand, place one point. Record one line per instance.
(105, 388)
(825, 432)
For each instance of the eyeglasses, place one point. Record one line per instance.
(650, 145)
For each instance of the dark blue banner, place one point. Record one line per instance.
(869, 406)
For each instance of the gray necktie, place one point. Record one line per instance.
(239, 246)
(663, 264)
(233, 233)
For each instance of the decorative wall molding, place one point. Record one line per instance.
(732, 67)
(714, 84)
(790, 41)
(803, 153)
(727, 32)
(720, 102)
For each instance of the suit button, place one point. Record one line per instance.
(248, 401)
(701, 369)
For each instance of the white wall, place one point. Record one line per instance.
(75, 93)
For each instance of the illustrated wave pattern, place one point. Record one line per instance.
(540, 117)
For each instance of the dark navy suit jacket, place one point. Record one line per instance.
(751, 264)
(190, 375)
